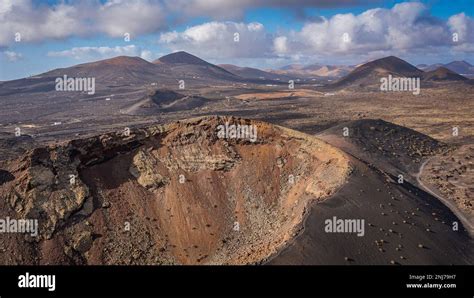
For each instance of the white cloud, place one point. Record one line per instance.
(12, 56)
(169, 37)
(255, 27)
(405, 28)
(132, 16)
(280, 45)
(91, 53)
(462, 27)
(220, 40)
(37, 22)
(460, 24)
(148, 55)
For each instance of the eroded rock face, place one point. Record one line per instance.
(43, 189)
(83, 242)
(173, 194)
(142, 168)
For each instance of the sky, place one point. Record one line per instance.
(37, 36)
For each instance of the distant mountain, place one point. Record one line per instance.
(370, 73)
(254, 73)
(334, 71)
(118, 70)
(181, 57)
(127, 71)
(426, 67)
(443, 74)
(314, 70)
(461, 67)
(186, 66)
(292, 67)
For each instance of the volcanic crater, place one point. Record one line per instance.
(168, 194)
